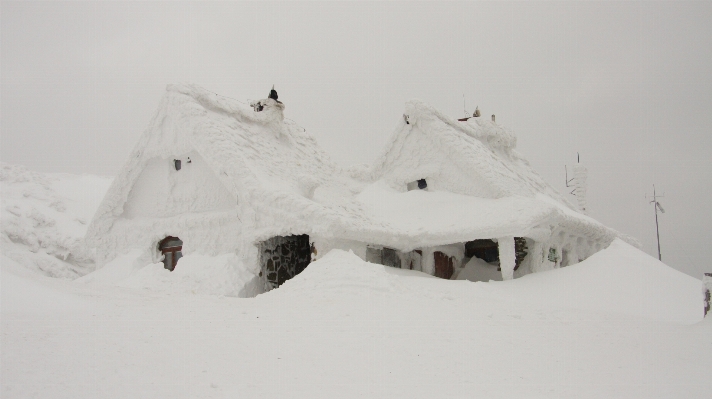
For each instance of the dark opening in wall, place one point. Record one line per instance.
(282, 258)
(176, 164)
(383, 256)
(171, 248)
(520, 250)
(486, 250)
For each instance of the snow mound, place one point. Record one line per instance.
(22, 292)
(44, 218)
(619, 280)
(477, 269)
(223, 275)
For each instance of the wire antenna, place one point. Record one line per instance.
(656, 207)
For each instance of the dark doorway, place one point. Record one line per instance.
(282, 258)
(486, 250)
(444, 267)
(171, 248)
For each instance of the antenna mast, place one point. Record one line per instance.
(657, 206)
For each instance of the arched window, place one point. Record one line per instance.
(171, 248)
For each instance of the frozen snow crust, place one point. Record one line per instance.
(248, 176)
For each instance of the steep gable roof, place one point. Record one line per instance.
(250, 152)
(480, 147)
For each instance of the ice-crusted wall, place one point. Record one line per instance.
(208, 233)
(162, 191)
(269, 165)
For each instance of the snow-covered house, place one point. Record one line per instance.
(212, 175)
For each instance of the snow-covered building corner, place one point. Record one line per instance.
(213, 176)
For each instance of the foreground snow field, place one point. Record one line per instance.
(619, 325)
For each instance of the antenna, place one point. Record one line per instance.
(656, 207)
(566, 171)
(464, 107)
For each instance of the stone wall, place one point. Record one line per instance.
(282, 258)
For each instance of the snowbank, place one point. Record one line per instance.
(21, 292)
(618, 280)
(44, 218)
(223, 275)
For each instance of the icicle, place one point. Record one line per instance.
(507, 257)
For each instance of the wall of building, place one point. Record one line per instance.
(163, 191)
(209, 233)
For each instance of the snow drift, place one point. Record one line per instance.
(44, 218)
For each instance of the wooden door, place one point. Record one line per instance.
(443, 265)
(171, 248)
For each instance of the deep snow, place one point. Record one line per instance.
(619, 324)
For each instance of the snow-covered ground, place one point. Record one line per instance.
(617, 325)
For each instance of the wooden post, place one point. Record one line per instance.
(707, 280)
(507, 257)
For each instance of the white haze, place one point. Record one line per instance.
(627, 85)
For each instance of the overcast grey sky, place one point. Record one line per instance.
(628, 85)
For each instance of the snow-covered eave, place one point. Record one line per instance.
(406, 241)
(586, 226)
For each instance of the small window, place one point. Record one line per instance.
(420, 184)
(176, 164)
(553, 256)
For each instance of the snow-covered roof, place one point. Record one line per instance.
(482, 150)
(284, 183)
